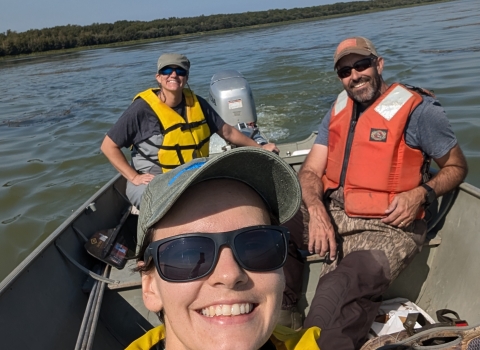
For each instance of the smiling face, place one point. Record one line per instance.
(173, 82)
(231, 308)
(363, 87)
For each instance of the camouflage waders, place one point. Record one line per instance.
(355, 234)
(349, 291)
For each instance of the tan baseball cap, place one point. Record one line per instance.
(173, 59)
(358, 45)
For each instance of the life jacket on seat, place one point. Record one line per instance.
(369, 156)
(183, 139)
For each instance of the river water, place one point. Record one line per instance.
(55, 110)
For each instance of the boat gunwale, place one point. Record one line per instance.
(470, 189)
(50, 239)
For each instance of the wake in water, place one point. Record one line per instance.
(466, 49)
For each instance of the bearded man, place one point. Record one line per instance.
(365, 184)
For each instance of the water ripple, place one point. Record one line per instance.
(463, 26)
(9, 221)
(442, 51)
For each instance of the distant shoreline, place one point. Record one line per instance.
(209, 32)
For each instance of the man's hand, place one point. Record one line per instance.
(271, 147)
(142, 179)
(404, 207)
(321, 235)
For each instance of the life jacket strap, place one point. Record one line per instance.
(156, 162)
(185, 126)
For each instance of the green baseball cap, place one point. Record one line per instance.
(265, 172)
(173, 59)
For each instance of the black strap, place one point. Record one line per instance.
(173, 127)
(156, 162)
(203, 142)
(188, 126)
(425, 170)
(177, 147)
(420, 90)
(185, 126)
(185, 147)
(450, 320)
(148, 142)
(443, 321)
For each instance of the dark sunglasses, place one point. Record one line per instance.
(359, 66)
(191, 256)
(169, 70)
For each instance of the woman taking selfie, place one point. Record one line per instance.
(212, 252)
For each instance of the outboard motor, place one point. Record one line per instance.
(231, 97)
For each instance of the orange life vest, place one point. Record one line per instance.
(369, 156)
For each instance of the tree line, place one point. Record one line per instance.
(74, 36)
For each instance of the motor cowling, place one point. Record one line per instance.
(231, 97)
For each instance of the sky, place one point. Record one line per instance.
(22, 15)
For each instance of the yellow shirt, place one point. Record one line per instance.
(283, 338)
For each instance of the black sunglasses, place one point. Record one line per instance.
(359, 66)
(191, 256)
(169, 70)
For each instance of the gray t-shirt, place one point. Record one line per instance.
(428, 129)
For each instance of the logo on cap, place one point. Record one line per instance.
(194, 166)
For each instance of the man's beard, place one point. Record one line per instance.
(369, 93)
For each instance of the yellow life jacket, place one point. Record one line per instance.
(283, 338)
(183, 140)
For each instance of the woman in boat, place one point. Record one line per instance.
(166, 127)
(212, 253)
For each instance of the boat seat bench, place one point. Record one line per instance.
(127, 277)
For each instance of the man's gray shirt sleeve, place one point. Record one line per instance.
(322, 136)
(430, 130)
